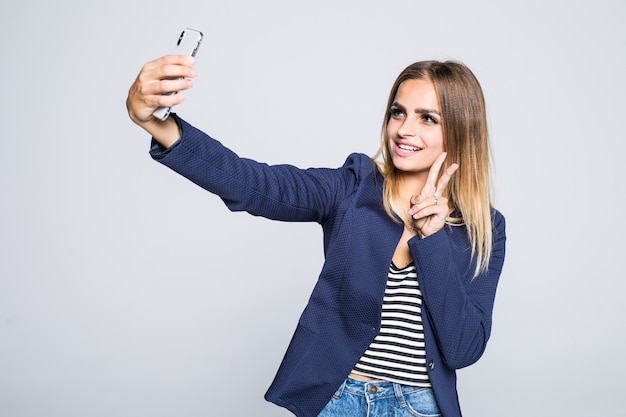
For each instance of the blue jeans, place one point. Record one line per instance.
(380, 399)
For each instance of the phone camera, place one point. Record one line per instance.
(180, 38)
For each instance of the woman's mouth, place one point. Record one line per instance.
(408, 148)
(404, 149)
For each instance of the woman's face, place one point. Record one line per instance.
(414, 128)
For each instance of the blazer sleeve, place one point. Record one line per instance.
(278, 192)
(459, 305)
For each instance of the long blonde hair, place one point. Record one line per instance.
(466, 141)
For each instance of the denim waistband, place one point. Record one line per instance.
(376, 390)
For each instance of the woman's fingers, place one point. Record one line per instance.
(442, 183)
(429, 209)
(167, 74)
(431, 182)
(430, 206)
(184, 60)
(433, 185)
(171, 68)
(156, 84)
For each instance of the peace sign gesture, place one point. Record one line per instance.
(429, 209)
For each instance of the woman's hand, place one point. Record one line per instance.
(429, 209)
(152, 89)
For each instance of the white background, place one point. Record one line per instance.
(127, 291)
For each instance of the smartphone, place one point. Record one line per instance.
(188, 43)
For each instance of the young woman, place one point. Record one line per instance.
(413, 248)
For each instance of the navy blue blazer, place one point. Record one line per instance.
(343, 314)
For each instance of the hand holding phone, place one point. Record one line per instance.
(188, 43)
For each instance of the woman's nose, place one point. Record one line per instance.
(408, 127)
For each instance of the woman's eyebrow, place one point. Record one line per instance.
(418, 110)
(427, 111)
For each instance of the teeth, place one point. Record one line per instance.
(408, 148)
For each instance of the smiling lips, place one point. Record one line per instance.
(405, 148)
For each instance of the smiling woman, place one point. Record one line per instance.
(447, 100)
(363, 345)
(414, 129)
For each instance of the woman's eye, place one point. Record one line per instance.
(395, 112)
(429, 119)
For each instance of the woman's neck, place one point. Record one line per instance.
(409, 185)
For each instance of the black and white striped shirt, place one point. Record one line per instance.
(397, 354)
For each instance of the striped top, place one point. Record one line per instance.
(397, 354)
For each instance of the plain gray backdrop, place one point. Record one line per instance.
(127, 291)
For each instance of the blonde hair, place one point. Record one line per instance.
(466, 141)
